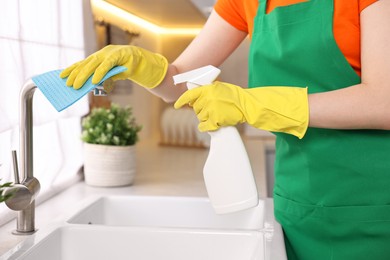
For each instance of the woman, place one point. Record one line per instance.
(319, 73)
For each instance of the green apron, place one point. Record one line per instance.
(332, 188)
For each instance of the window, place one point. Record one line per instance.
(36, 37)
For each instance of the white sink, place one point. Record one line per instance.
(102, 243)
(149, 228)
(179, 212)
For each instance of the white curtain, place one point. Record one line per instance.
(36, 37)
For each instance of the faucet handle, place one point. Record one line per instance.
(16, 168)
(21, 194)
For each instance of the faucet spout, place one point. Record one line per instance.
(26, 129)
(24, 193)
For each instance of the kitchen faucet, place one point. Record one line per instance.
(26, 186)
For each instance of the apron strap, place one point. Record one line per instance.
(262, 7)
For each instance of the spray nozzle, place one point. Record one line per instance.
(198, 77)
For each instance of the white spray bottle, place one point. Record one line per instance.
(227, 172)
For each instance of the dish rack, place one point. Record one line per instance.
(180, 128)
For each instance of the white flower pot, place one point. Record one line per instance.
(108, 165)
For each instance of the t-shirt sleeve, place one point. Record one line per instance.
(364, 3)
(233, 12)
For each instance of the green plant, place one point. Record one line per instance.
(113, 126)
(2, 188)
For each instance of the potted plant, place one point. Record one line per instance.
(109, 136)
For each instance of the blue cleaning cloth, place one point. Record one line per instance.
(61, 96)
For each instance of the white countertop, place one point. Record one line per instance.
(161, 170)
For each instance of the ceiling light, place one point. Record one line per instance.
(107, 9)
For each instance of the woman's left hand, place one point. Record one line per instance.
(280, 109)
(215, 105)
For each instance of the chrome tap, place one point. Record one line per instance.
(26, 185)
(24, 191)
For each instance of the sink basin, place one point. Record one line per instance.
(102, 243)
(179, 212)
(148, 227)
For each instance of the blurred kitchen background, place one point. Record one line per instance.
(44, 35)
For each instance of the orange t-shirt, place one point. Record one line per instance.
(346, 21)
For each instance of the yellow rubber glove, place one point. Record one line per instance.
(278, 109)
(143, 67)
